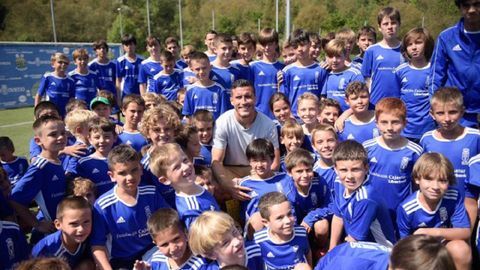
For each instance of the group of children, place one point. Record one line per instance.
(369, 157)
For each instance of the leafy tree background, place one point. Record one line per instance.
(88, 20)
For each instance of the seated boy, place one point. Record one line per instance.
(121, 214)
(357, 207)
(172, 167)
(282, 243)
(44, 180)
(102, 137)
(214, 236)
(437, 208)
(13, 165)
(260, 154)
(74, 224)
(360, 125)
(169, 235)
(169, 80)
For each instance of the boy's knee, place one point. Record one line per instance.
(460, 251)
(321, 227)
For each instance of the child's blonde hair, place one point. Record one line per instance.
(308, 96)
(162, 219)
(323, 127)
(292, 127)
(79, 118)
(447, 95)
(434, 164)
(297, 157)
(56, 57)
(335, 47)
(154, 97)
(346, 35)
(187, 50)
(208, 230)
(80, 53)
(154, 115)
(81, 186)
(161, 158)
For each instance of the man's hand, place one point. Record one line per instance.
(238, 192)
(307, 228)
(141, 265)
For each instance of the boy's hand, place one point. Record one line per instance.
(325, 65)
(239, 192)
(75, 150)
(279, 77)
(191, 79)
(118, 129)
(350, 239)
(141, 265)
(45, 226)
(307, 228)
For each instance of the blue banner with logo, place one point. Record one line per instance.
(22, 65)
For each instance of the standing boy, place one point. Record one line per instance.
(209, 42)
(222, 72)
(169, 80)
(128, 66)
(106, 69)
(121, 214)
(86, 80)
(150, 66)
(246, 49)
(133, 107)
(366, 37)
(380, 59)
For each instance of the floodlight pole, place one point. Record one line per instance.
(53, 22)
(180, 19)
(121, 24)
(148, 17)
(287, 19)
(276, 15)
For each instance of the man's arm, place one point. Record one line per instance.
(225, 177)
(276, 160)
(143, 88)
(101, 258)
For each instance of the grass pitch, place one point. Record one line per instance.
(17, 125)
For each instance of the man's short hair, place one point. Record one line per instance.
(122, 153)
(243, 83)
(350, 150)
(162, 219)
(391, 105)
(297, 157)
(268, 200)
(390, 12)
(74, 203)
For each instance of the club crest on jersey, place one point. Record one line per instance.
(314, 199)
(375, 132)
(404, 163)
(341, 83)
(443, 214)
(11, 249)
(148, 212)
(215, 98)
(465, 156)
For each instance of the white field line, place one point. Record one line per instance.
(17, 124)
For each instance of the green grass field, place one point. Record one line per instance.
(17, 124)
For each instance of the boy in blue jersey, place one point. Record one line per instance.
(305, 75)
(172, 167)
(264, 71)
(291, 137)
(340, 75)
(169, 80)
(308, 112)
(391, 156)
(86, 80)
(347, 36)
(437, 208)
(215, 236)
(150, 66)
(169, 235)
(360, 125)
(329, 110)
(447, 110)
(315, 46)
(260, 154)
(14, 166)
(412, 78)
(246, 49)
(222, 72)
(204, 93)
(381, 58)
(203, 121)
(128, 66)
(366, 37)
(188, 140)
(56, 86)
(101, 136)
(120, 215)
(472, 192)
(106, 70)
(357, 206)
(312, 196)
(44, 180)
(282, 243)
(456, 59)
(324, 141)
(74, 224)
(77, 122)
(133, 107)
(172, 46)
(209, 42)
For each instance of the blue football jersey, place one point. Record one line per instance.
(13, 245)
(107, 75)
(95, 169)
(280, 182)
(318, 196)
(264, 79)
(359, 132)
(128, 71)
(206, 154)
(450, 213)
(168, 84)
(298, 80)
(390, 170)
(466, 146)
(160, 262)
(189, 207)
(379, 63)
(213, 98)
(57, 90)
(134, 139)
(355, 255)
(187, 75)
(147, 70)
(43, 182)
(253, 258)
(148, 178)
(181, 64)
(52, 246)
(243, 70)
(283, 255)
(225, 76)
(337, 82)
(86, 85)
(327, 173)
(123, 227)
(413, 83)
(15, 169)
(364, 214)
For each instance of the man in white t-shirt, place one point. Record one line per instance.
(234, 130)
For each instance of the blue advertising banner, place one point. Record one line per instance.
(22, 65)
